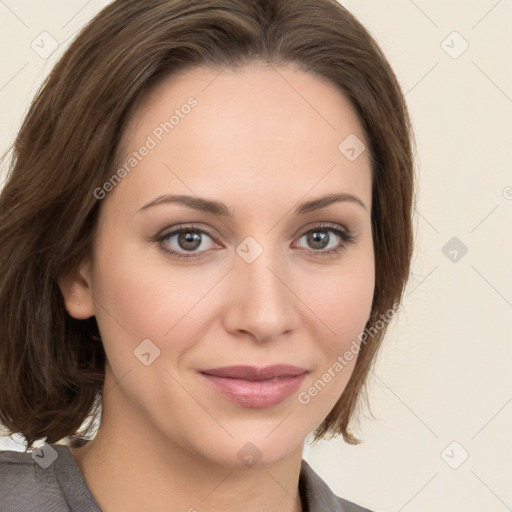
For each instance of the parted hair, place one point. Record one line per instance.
(51, 364)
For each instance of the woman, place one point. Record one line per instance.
(205, 230)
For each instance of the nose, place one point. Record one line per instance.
(261, 301)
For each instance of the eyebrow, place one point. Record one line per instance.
(220, 209)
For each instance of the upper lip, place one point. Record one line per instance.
(254, 373)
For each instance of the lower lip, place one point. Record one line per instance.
(257, 394)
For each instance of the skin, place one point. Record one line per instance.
(166, 435)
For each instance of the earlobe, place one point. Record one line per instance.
(76, 290)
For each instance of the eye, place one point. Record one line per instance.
(187, 241)
(326, 239)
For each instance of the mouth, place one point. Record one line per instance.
(253, 387)
(252, 373)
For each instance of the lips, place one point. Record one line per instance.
(252, 373)
(253, 387)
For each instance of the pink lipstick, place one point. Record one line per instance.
(254, 387)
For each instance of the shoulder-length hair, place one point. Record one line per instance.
(52, 365)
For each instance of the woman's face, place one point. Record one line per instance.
(257, 277)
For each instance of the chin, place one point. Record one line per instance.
(252, 451)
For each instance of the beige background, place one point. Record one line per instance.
(442, 388)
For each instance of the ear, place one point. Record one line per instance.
(76, 288)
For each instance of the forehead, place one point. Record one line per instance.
(273, 128)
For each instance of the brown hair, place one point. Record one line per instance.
(51, 371)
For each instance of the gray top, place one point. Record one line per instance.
(49, 480)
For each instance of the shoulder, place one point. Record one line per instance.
(319, 497)
(29, 482)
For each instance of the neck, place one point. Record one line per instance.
(128, 467)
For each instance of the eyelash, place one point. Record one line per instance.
(347, 240)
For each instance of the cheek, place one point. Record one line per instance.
(349, 310)
(128, 295)
(346, 315)
(342, 303)
(138, 301)
(343, 306)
